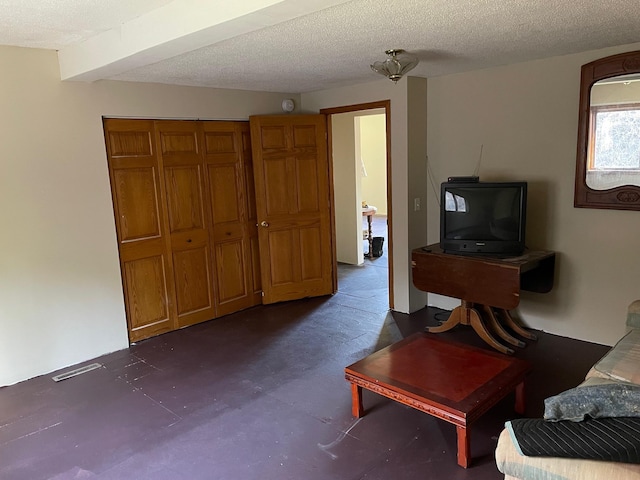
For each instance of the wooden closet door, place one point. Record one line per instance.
(145, 261)
(186, 202)
(252, 214)
(229, 206)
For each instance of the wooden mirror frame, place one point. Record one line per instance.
(625, 197)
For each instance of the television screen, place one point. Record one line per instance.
(483, 217)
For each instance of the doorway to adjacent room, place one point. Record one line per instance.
(359, 148)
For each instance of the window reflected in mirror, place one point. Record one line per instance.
(608, 154)
(613, 157)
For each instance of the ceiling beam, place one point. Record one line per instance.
(174, 29)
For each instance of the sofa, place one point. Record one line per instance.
(588, 432)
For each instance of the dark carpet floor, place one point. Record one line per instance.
(261, 394)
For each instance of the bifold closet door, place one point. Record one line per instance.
(232, 215)
(184, 195)
(145, 258)
(184, 205)
(252, 220)
(180, 151)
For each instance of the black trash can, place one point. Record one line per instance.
(376, 246)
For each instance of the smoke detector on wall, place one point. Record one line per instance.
(288, 105)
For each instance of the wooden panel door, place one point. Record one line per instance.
(223, 156)
(186, 203)
(291, 173)
(252, 214)
(145, 262)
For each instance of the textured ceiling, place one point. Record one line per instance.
(53, 24)
(335, 46)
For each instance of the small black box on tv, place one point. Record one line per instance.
(471, 179)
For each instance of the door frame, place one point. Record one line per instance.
(382, 104)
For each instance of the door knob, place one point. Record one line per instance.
(264, 224)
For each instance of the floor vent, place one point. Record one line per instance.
(76, 372)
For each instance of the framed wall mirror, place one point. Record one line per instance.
(608, 159)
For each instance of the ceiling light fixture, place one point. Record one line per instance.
(398, 64)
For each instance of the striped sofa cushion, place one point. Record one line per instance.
(514, 465)
(608, 439)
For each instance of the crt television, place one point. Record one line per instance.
(483, 217)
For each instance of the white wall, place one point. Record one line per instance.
(61, 298)
(526, 117)
(405, 162)
(416, 178)
(373, 152)
(346, 190)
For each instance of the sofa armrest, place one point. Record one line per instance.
(633, 315)
(622, 362)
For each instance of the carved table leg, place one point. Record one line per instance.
(464, 453)
(357, 409)
(513, 325)
(476, 322)
(498, 330)
(465, 314)
(454, 319)
(369, 237)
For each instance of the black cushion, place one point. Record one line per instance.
(608, 439)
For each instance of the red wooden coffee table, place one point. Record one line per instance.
(451, 381)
